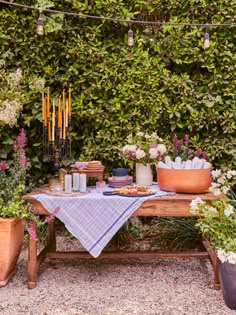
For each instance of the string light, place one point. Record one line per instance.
(206, 43)
(130, 36)
(40, 23)
(117, 19)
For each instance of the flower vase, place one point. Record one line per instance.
(227, 273)
(144, 174)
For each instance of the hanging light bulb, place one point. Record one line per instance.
(206, 43)
(40, 23)
(130, 36)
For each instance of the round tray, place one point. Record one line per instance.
(63, 194)
(114, 193)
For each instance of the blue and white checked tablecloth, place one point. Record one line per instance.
(94, 218)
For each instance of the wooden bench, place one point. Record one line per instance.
(177, 205)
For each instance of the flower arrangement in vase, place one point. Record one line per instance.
(217, 221)
(143, 149)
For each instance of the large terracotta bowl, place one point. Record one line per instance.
(194, 181)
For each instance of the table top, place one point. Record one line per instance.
(176, 204)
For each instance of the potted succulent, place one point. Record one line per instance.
(184, 170)
(143, 149)
(217, 221)
(12, 208)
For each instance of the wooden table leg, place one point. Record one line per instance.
(32, 261)
(214, 262)
(52, 237)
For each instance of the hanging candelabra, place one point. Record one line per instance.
(56, 117)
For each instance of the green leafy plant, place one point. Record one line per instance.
(217, 220)
(13, 175)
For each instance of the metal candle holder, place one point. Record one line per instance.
(56, 122)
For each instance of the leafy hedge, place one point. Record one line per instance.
(165, 82)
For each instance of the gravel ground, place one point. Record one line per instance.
(114, 287)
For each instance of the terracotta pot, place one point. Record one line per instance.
(194, 181)
(11, 240)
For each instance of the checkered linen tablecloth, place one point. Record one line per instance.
(94, 218)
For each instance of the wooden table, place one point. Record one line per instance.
(170, 205)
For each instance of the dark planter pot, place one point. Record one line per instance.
(228, 283)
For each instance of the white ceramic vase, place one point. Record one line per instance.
(144, 174)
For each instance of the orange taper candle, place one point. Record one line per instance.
(48, 102)
(45, 112)
(43, 107)
(69, 100)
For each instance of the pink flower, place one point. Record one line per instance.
(3, 165)
(153, 145)
(177, 143)
(186, 139)
(23, 159)
(21, 140)
(198, 152)
(205, 155)
(32, 232)
(52, 216)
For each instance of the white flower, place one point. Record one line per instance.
(224, 256)
(140, 154)
(140, 134)
(215, 174)
(229, 210)
(129, 147)
(225, 189)
(153, 153)
(221, 180)
(161, 148)
(212, 209)
(195, 203)
(216, 192)
(230, 174)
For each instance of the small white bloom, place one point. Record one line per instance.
(230, 174)
(153, 153)
(229, 210)
(225, 189)
(215, 174)
(221, 180)
(216, 192)
(212, 209)
(161, 148)
(128, 147)
(140, 134)
(222, 255)
(195, 203)
(140, 154)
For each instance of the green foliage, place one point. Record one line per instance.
(165, 82)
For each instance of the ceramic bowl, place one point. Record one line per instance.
(119, 172)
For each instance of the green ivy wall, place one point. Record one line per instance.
(165, 82)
